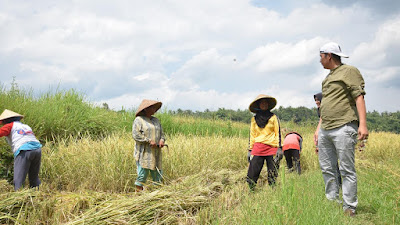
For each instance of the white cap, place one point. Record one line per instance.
(333, 48)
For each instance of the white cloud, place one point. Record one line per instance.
(381, 51)
(284, 56)
(212, 53)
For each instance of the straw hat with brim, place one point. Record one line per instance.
(146, 104)
(9, 114)
(254, 105)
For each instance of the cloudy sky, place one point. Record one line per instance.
(198, 54)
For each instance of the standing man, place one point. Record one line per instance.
(343, 118)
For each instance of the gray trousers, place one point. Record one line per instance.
(27, 163)
(338, 145)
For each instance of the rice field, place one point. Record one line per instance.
(88, 172)
(91, 181)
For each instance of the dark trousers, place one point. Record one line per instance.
(255, 167)
(293, 155)
(27, 163)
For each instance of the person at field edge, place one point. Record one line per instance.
(343, 118)
(265, 140)
(149, 139)
(292, 146)
(318, 100)
(26, 148)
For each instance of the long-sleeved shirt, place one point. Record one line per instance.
(19, 136)
(144, 130)
(269, 135)
(292, 141)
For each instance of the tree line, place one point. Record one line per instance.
(385, 121)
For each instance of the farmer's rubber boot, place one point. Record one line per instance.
(139, 188)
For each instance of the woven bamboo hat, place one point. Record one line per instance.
(9, 114)
(146, 104)
(254, 105)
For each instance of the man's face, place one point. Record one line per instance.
(324, 59)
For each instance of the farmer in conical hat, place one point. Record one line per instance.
(265, 140)
(26, 148)
(149, 139)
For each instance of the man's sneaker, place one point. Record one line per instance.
(350, 212)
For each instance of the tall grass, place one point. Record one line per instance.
(90, 181)
(75, 164)
(57, 116)
(61, 114)
(54, 116)
(301, 200)
(88, 173)
(108, 165)
(87, 163)
(202, 127)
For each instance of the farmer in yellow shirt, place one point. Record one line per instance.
(265, 140)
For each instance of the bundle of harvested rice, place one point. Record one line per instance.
(168, 204)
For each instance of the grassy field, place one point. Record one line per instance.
(91, 181)
(88, 177)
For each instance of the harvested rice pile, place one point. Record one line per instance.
(174, 203)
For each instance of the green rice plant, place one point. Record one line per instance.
(59, 114)
(301, 200)
(6, 161)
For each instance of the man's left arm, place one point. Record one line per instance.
(362, 115)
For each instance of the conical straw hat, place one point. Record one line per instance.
(254, 105)
(8, 114)
(147, 103)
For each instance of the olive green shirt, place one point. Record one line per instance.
(339, 90)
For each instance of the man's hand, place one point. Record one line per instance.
(316, 138)
(362, 133)
(316, 133)
(362, 114)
